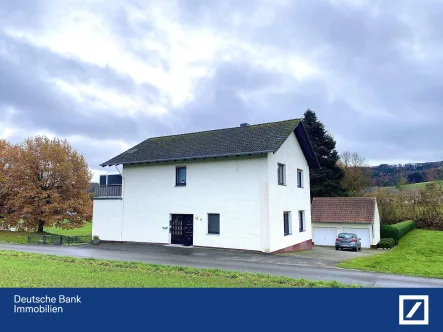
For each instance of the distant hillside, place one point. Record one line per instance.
(386, 175)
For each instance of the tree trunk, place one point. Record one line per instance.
(40, 226)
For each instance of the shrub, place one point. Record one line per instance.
(386, 243)
(397, 231)
(404, 227)
(388, 231)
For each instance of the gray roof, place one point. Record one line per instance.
(238, 141)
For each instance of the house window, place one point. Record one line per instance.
(281, 175)
(299, 178)
(109, 180)
(180, 176)
(301, 220)
(287, 223)
(213, 223)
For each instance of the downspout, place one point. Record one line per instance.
(123, 200)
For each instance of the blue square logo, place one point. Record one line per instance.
(414, 310)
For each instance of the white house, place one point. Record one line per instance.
(334, 215)
(242, 188)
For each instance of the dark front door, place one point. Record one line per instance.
(182, 229)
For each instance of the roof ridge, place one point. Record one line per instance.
(220, 129)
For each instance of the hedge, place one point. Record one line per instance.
(396, 231)
(404, 227)
(386, 243)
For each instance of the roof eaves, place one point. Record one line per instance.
(185, 158)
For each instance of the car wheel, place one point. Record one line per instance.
(359, 248)
(355, 249)
(336, 248)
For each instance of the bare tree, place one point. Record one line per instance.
(356, 173)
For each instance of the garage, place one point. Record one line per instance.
(362, 233)
(333, 215)
(324, 236)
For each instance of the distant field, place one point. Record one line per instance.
(415, 185)
(22, 237)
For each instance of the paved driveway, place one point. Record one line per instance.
(294, 266)
(331, 257)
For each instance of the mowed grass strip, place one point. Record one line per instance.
(34, 270)
(22, 237)
(419, 253)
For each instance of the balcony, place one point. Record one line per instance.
(110, 191)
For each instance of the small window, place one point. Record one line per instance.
(103, 180)
(287, 223)
(301, 219)
(213, 223)
(299, 178)
(180, 176)
(281, 175)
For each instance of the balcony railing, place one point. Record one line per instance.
(113, 190)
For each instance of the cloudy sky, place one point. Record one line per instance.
(108, 74)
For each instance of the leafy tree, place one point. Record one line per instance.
(327, 181)
(47, 182)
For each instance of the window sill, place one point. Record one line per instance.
(288, 234)
(180, 185)
(302, 231)
(283, 185)
(213, 234)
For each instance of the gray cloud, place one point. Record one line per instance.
(385, 56)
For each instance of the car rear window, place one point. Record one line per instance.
(345, 236)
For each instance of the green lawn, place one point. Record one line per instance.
(22, 237)
(419, 253)
(33, 270)
(85, 230)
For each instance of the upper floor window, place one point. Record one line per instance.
(180, 176)
(299, 178)
(281, 174)
(109, 180)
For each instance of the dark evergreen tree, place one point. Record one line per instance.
(325, 182)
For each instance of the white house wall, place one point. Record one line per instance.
(376, 237)
(107, 219)
(236, 188)
(288, 197)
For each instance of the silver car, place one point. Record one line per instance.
(348, 241)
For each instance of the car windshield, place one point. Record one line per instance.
(345, 236)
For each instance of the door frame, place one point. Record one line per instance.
(170, 231)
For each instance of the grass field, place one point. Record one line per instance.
(34, 270)
(22, 237)
(416, 185)
(419, 253)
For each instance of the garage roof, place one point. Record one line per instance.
(343, 209)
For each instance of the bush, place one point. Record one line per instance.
(396, 231)
(386, 243)
(404, 227)
(390, 232)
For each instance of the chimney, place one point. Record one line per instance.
(244, 124)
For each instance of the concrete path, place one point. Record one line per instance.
(295, 266)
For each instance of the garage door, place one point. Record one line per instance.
(325, 236)
(362, 233)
